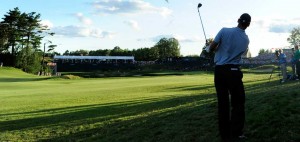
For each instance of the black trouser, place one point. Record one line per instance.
(298, 69)
(228, 81)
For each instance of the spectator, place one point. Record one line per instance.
(293, 64)
(282, 63)
(296, 58)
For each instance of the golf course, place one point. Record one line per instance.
(162, 108)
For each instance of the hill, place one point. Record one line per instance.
(9, 74)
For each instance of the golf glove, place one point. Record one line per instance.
(207, 49)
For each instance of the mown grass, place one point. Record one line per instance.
(173, 108)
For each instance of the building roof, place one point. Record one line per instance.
(95, 57)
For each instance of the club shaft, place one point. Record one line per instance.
(202, 26)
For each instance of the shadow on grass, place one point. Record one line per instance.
(272, 114)
(23, 79)
(123, 74)
(272, 111)
(168, 119)
(192, 88)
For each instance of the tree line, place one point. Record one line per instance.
(163, 49)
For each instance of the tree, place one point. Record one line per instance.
(294, 38)
(264, 51)
(80, 52)
(28, 61)
(117, 51)
(261, 51)
(3, 37)
(25, 34)
(67, 52)
(146, 54)
(100, 52)
(12, 19)
(168, 48)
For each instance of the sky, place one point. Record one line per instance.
(133, 24)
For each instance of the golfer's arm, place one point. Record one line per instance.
(213, 46)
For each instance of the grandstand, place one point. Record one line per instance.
(94, 59)
(90, 63)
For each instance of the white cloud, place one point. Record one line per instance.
(277, 25)
(47, 23)
(128, 7)
(180, 38)
(84, 20)
(79, 31)
(133, 24)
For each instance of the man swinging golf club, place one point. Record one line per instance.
(229, 45)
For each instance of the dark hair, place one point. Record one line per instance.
(245, 18)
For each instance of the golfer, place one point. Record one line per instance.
(229, 45)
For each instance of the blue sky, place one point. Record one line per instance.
(133, 24)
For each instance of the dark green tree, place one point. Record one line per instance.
(25, 34)
(80, 52)
(29, 61)
(145, 54)
(12, 19)
(4, 36)
(168, 48)
(67, 52)
(117, 51)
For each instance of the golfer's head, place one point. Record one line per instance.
(296, 47)
(244, 20)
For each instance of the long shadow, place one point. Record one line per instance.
(180, 124)
(23, 79)
(192, 88)
(101, 113)
(81, 107)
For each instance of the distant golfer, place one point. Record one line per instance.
(229, 45)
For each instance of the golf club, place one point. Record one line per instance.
(199, 5)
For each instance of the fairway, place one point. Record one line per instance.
(161, 108)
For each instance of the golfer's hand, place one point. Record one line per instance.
(207, 49)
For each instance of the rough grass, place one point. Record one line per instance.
(159, 108)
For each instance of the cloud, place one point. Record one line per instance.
(133, 24)
(277, 25)
(128, 7)
(281, 28)
(180, 38)
(79, 31)
(83, 20)
(47, 23)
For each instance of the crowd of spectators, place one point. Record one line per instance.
(267, 58)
